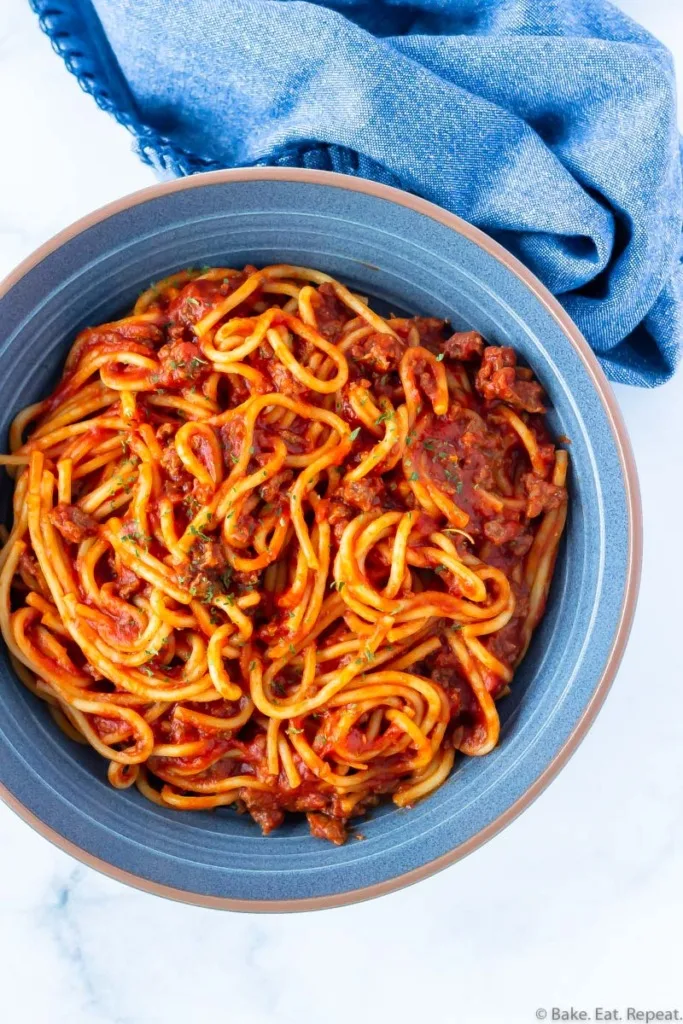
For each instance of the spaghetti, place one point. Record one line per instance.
(271, 549)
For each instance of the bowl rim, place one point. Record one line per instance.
(633, 503)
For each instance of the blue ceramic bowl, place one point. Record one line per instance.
(416, 258)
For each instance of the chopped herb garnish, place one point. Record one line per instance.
(355, 433)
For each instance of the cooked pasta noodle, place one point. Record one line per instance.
(271, 549)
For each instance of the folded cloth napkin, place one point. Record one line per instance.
(551, 124)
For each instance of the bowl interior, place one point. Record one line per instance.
(406, 261)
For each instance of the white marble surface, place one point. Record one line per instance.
(578, 903)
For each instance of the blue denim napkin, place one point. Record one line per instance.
(551, 124)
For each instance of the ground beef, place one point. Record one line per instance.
(178, 482)
(339, 515)
(546, 456)
(125, 580)
(208, 554)
(541, 495)
(32, 574)
(277, 487)
(430, 330)
(324, 827)
(499, 377)
(181, 365)
(464, 345)
(297, 444)
(283, 381)
(331, 314)
(247, 580)
(502, 531)
(506, 643)
(201, 494)
(72, 522)
(313, 800)
(130, 337)
(243, 530)
(201, 585)
(426, 380)
(444, 669)
(232, 441)
(364, 494)
(263, 808)
(238, 391)
(172, 464)
(197, 298)
(142, 333)
(521, 545)
(380, 352)
(165, 431)
(28, 563)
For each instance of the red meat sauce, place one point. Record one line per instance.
(473, 455)
(247, 756)
(141, 339)
(469, 453)
(169, 337)
(466, 453)
(186, 305)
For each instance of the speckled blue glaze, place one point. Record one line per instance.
(413, 263)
